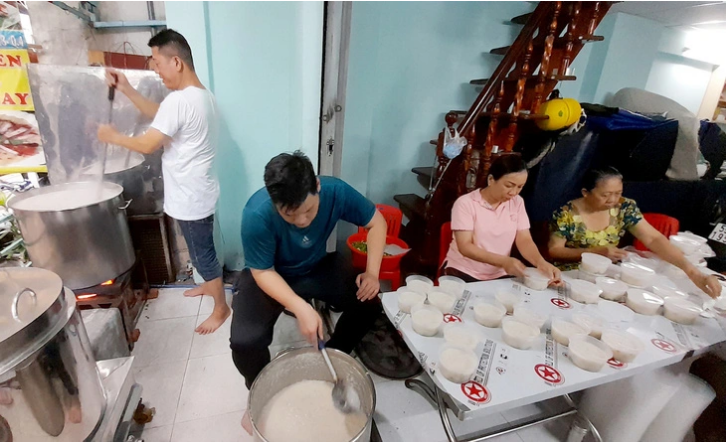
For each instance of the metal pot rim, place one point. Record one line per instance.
(291, 353)
(16, 198)
(55, 323)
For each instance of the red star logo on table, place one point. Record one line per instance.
(451, 318)
(664, 345)
(549, 374)
(561, 303)
(476, 392)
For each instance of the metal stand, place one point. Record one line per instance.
(437, 398)
(123, 395)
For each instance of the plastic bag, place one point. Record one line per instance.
(453, 145)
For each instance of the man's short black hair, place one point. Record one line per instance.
(289, 179)
(176, 45)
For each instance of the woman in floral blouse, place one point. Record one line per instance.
(595, 223)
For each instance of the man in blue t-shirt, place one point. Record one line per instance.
(285, 227)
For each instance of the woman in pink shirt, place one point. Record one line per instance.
(487, 222)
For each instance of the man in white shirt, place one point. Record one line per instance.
(186, 125)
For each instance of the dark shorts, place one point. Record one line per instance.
(199, 236)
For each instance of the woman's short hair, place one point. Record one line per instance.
(506, 164)
(594, 176)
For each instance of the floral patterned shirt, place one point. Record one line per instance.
(567, 223)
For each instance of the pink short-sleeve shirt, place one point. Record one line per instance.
(494, 230)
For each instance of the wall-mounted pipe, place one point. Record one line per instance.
(130, 24)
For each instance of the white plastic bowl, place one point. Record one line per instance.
(686, 244)
(612, 289)
(643, 302)
(588, 353)
(426, 320)
(461, 335)
(681, 310)
(615, 312)
(452, 285)
(592, 322)
(407, 299)
(442, 301)
(525, 314)
(693, 236)
(563, 330)
(419, 284)
(489, 314)
(457, 364)
(594, 263)
(636, 274)
(625, 346)
(518, 334)
(587, 276)
(706, 251)
(585, 292)
(508, 300)
(650, 263)
(672, 272)
(696, 259)
(535, 280)
(668, 292)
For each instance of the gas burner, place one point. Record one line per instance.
(115, 293)
(110, 288)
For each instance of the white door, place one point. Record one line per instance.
(335, 74)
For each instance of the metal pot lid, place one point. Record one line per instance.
(25, 295)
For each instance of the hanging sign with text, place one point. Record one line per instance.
(14, 60)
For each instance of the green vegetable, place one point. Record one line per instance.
(361, 246)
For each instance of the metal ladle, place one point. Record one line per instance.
(345, 398)
(111, 96)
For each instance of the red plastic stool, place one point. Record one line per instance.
(393, 217)
(445, 239)
(390, 265)
(667, 225)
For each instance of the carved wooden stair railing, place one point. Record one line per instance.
(538, 59)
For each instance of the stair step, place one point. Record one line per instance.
(411, 205)
(559, 44)
(423, 176)
(423, 171)
(530, 80)
(502, 115)
(521, 19)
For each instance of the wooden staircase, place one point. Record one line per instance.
(506, 108)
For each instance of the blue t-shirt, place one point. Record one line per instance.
(270, 241)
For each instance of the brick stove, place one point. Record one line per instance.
(117, 293)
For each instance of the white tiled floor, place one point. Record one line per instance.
(199, 395)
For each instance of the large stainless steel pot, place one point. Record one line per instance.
(138, 175)
(308, 364)
(85, 245)
(50, 389)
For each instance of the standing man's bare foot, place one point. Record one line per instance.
(215, 320)
(196, 291)
(247, 423)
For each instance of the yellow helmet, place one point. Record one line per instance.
(562, 112)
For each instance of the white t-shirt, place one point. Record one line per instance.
(190, 118)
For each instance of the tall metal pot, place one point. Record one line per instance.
(86, 245)
(139, 175)
(308, 364)
(50, 388)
